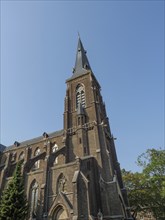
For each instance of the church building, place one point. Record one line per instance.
(74, 173)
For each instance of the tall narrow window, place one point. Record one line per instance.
(80, 95)
(54, 149)
(37, 163)
(34, 199)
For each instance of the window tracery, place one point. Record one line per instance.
(37, 163)
(34, 198)
(80, 95)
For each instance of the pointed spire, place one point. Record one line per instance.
(82, 64)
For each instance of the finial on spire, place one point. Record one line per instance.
(78, 34)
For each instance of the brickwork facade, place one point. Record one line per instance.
(72, 174)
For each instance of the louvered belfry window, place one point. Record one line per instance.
(80, 95)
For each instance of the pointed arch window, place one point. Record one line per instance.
(80, 95)
(54, 149)
(37, 163)
(34, 198)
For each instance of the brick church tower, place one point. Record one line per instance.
(72, 174)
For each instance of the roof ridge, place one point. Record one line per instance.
(34, 140)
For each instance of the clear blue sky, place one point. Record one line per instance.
(125, 44)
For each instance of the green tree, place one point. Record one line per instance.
(146, 190)
(13, 205)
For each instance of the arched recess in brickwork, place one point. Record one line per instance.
(61, 208)
(33, 198)
(61, 183)
(60, 213)
(80, 95)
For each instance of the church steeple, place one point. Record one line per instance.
(82, 64)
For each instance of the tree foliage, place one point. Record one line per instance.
(146, 190)
(13, 205)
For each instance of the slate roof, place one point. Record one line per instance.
(35, 140)
(82, 65)
(2, 147)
